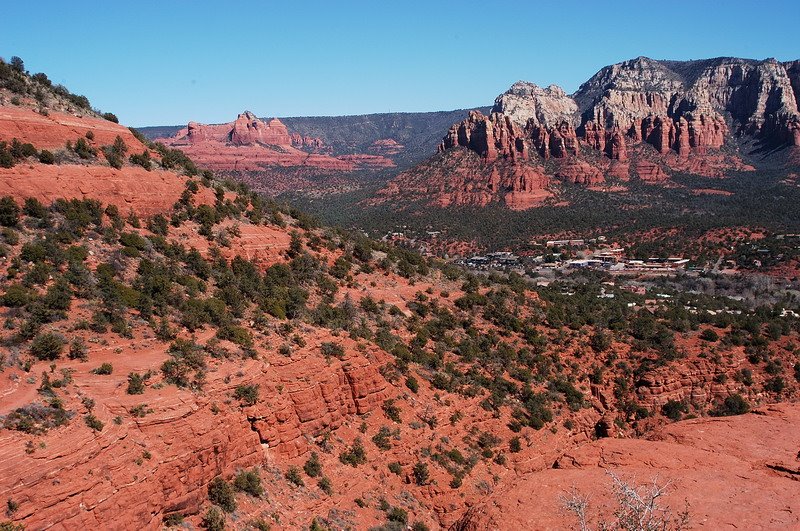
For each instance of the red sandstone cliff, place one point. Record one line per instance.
(662, 116)
(250, 144)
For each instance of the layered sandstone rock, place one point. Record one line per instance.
(686, 111)
(54, 129)
(722, 468)
(250, 144)
(131, 188)
(188, 438)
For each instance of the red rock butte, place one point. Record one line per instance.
(640, 118)
(251, 144)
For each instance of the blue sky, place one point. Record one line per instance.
(168, 62)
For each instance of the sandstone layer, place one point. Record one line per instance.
(251, 144)
(664, 116)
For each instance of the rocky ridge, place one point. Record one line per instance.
(252, 144)
(642, 118)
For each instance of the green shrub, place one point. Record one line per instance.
(355, 455)
(47, 157)
(709, 335)
(332, 349)
(9, 212)
(78, 350)
(249, 481)
(34, 208)
(421, 474)
(135, 384)
(397, 514)
(142, 159)
(213, 520)
(313, 466)
(246, 394)
(83, 149)
(674, 409)
(16, 296)
(325, 485)
(381, 439)
(412, 384)
(93, 422)
(293, 476)
(221, 493)
(104, 369)
(6, 159)
(47, 346)
(391, 411)
(732, 405)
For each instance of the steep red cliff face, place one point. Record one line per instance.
(188, 438)
(250, 144)
(681, 113)
(458, 177)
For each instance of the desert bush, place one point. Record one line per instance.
(9, 211)
(249, 481)
(313, 466)
(213, 520)
(93, 422)
(221, 493)
(734, 404)
(47, 157)
(47, 346)
(246, 394)
(293, 476)
(421, 474)
(104, 369)
(635, 508)
(325, 485)
(674, 409)
(355, 455)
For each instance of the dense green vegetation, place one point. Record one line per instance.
(759, 199)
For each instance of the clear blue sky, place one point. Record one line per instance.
(171, 61)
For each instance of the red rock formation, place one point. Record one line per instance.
(248, 130)
(131, 189)
(578, 172)
(386, 147)
(650, 172)
(461, 177)
(721, 467)
(490, 136)
(595, 136)
(250, 144)
(615, 147)
(53, 130)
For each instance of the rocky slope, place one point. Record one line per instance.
(717, 468)
(225, 359)
(132, 188)
(641, 118)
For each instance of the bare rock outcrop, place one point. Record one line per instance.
(687, 111)
(250, 144)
